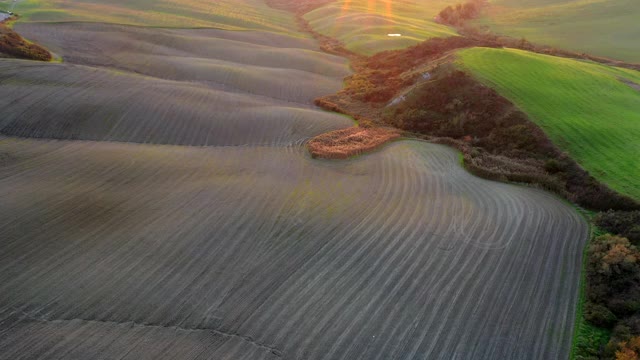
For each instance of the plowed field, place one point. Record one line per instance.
(157, 202)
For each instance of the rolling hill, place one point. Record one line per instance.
(262, 252)
(157, 201)
(222, 14)
(606, 28)
(363, 26)
(130, 83)
(587, 109)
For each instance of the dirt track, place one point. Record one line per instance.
(132, 251)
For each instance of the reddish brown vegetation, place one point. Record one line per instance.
(297, 6)
(341, 144)
(506, 144)
(498, 142)
(301, 7)
(449, 106)
(383, 75)
(629, 350)
(13, 45)
(623, 223)
(613, 294)
(460, 13)
(328, 44)
(363, 114)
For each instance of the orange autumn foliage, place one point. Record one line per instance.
(629, 350)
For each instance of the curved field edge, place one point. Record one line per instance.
(129, 47)
(14, 45)
(587, 338)
(363, 26)
(223, 14)
(585, 335)
(444, 238)
(586, 109)
(605, 28)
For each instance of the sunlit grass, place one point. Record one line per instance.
(223, 14)
(600, 27)
(364, 25)
(587, 109)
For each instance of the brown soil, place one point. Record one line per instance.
(342, 144)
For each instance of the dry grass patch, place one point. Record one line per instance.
(341, 144)
(297, 6)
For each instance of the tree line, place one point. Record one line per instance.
(458, 14)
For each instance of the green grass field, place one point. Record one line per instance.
(364, 25)
(600, 27)
(586, 109)
(222, 14)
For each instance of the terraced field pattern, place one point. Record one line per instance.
(157, 201)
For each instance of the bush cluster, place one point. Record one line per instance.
(483, 35)
(623, 223)
(613, 290)
(499, 142)
(454, 104)
(381, 76)
(629, 350)
(14, 45)
(460, 13)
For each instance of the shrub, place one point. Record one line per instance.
(610, 254)
(629, 350)
(460, 13)
(623, 223)
(14, 45)
(613, 285)
(552, 166)
(599, 315)
(591, 194)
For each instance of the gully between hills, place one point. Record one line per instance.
(420, 92)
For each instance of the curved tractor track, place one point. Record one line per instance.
(399, 254)
(149, 250)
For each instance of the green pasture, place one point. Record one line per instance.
(606, 28)
(589, 110)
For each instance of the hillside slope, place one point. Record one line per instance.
(222, 14)
(363, 26)
(143, 216)
(589, 110)
(263, 253)
(606, 28)
(170, 86)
